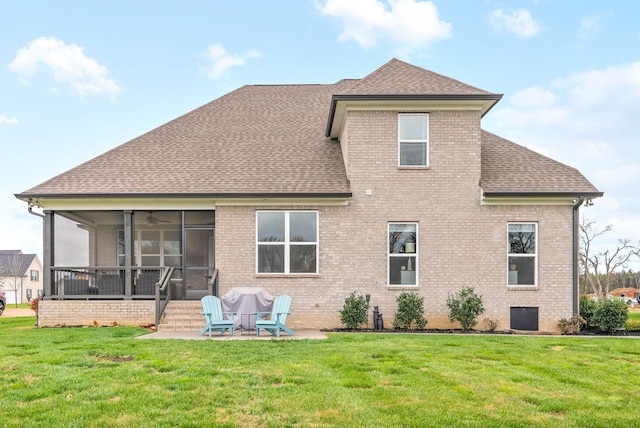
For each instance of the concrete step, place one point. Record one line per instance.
(182, 315)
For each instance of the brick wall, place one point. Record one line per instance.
(461, 242)
(95, 312)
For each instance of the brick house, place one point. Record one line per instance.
(376, 185)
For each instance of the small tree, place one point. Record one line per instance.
(410, 313)
(34, 304)
(465, 307)
(354, 313)
(611, 314)
(13, 274)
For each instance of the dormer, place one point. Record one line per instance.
(400, 86)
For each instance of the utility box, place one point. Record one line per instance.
(524, 318)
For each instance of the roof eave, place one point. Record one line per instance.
(491, 100)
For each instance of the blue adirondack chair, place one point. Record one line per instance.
(212, 311)
(278, 317)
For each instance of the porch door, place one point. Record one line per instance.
(199, 263)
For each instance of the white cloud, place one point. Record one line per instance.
(221, 60)
(519, 22)
(8, 120)
(67, 64)
(410, 25)
(588, 120)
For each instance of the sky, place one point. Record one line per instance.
(78, 78)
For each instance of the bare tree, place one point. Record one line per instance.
(13, 275)
(599, 268)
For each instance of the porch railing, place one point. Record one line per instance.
(162, 296)
(104, 282)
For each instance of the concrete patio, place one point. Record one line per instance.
(239, 335)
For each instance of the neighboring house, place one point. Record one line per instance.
(20, 276)
(377, 185)
(626, 293)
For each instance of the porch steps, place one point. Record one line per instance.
(182, 315)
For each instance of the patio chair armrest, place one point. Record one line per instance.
(233, 314)
(259, 315)
(281, 313)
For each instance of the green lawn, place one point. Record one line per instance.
(104, 377)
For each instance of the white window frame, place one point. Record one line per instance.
(137, 244)
(287, 243)
(416, 254)
(523, 255)
(424, 141)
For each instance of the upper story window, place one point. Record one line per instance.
(413, 139)
(34, 275)
(287, 242)
(522, 254)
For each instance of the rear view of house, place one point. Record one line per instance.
(376, 185)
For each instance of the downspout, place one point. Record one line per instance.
(46, 276)
(576, 244)
(30, 209)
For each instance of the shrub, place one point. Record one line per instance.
(410, 313)
(572, 325)
(632, 325)
(611, 314)
(465, 307)
(492, 325)
(354, 313)
(34, 304)
(587, 309)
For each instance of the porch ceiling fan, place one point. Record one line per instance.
(152, 221)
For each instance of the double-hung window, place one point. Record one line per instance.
(34, 275)
(522, 258)
(403, 255)
(413, 139)
(287, 242)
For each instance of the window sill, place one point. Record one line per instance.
(416, 167)
(288, 275)
(402, 287)
(522, 288)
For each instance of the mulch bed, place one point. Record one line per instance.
(585, 332)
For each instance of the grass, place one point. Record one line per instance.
(102, 377)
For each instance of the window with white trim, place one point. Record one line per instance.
(153, 248)
(34, 275)
(413, 139)
(287, 242)
(403, 253)
(522, 257)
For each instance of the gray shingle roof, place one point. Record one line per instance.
(509, 168)
(14, 263)
(400, 78)
(270, 140)
(257, 139)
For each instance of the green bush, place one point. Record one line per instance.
(465, 307)
(572, 325)
(410, 313)
(587, 310)
(354, 313)
(632, 325)
(611, 314)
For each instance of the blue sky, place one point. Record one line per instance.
(78, 78)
